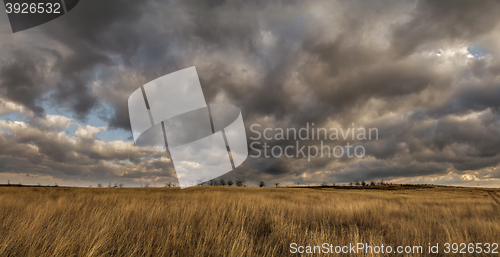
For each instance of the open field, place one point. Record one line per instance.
(222, 221)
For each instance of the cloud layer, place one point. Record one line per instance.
(425, 74)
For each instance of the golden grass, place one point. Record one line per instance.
(216, 221)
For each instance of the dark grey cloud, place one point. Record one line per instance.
(435, 21)
(22, 78)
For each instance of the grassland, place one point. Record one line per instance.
(222, 221)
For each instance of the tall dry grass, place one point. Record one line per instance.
(216, 221)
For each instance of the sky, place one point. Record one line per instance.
(425, 74)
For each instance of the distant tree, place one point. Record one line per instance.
(372, 183)
(356, 183)
(8, 182)
(121, 185)
(168, 184)
(277, 184)
(109, 184)
(240, 182)
(146, 185)
(116, 185)
(55, 184)
(351, 184)
(222, 182)
(229, 182)
(262, 184)
(99, 185)
(382, 182)
(363, 183)
(324, 183)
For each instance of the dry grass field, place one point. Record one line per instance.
(222, 221)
